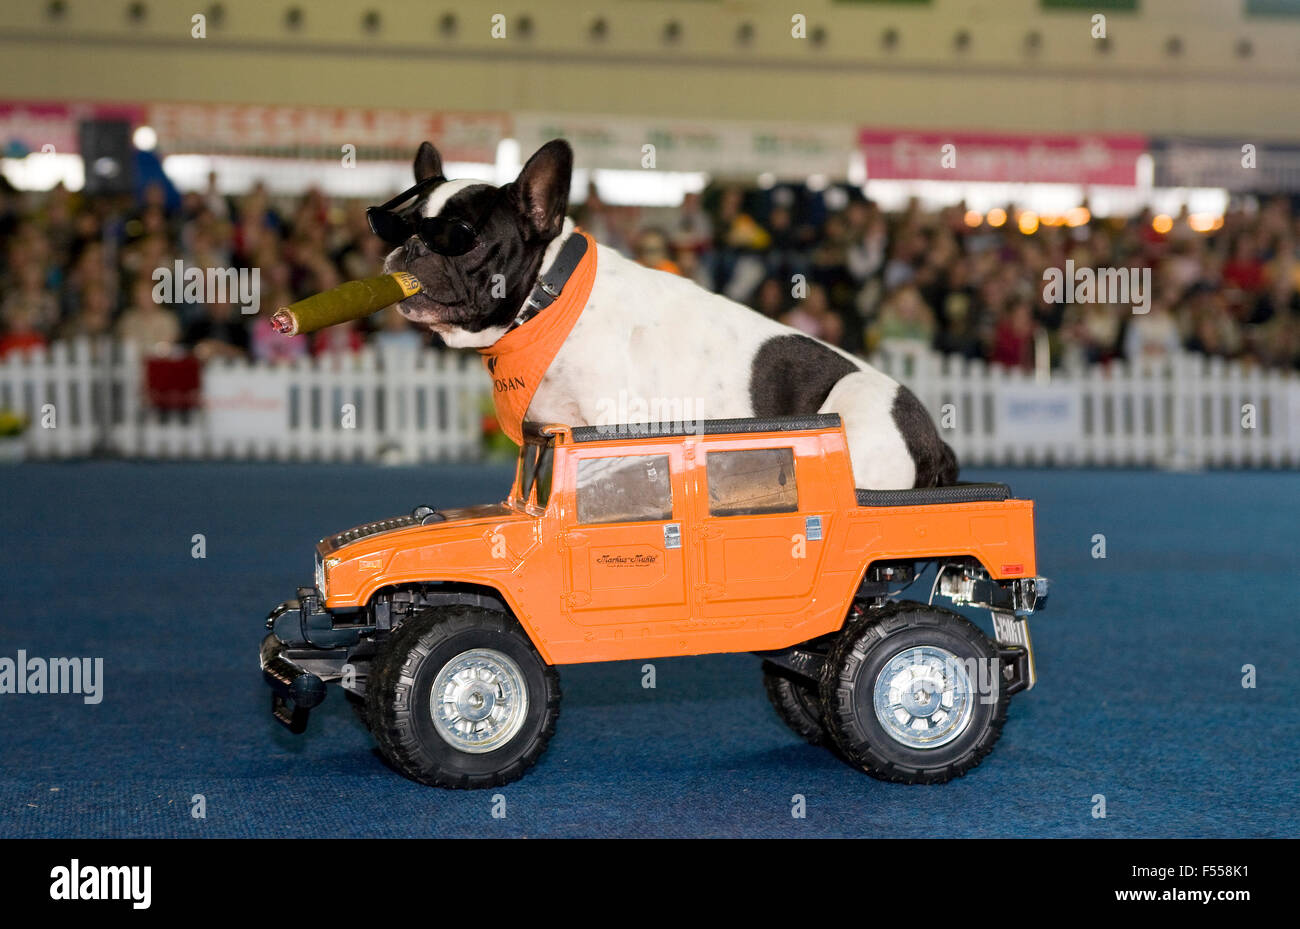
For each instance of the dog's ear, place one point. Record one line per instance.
(428, 163)
(542, 190)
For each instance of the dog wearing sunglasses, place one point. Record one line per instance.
(478, 251)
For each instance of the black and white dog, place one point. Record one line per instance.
(646, 333)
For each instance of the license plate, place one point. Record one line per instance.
(1013, 631)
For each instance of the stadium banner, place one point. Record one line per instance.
(906, 154)
(247, 129)
(1032, 413)
(244, 129)
(787, 150)
(1237, 164)
(31, 126)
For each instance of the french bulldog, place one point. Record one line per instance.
(644, 333)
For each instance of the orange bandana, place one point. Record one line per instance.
(518, 360)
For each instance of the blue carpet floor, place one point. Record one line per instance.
(1140, 661)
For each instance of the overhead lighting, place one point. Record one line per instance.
(144, 138)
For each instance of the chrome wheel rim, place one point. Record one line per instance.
(923, 697)
(478, 701)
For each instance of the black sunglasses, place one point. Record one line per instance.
(450, 237)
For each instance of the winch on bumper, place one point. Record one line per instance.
(305, 648)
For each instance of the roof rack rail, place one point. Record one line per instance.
(738, 426)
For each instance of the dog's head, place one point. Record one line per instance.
(470, 299)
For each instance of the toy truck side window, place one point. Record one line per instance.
(748, 482)
(633, 488)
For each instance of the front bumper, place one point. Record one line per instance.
(295, 690)
(304, 650)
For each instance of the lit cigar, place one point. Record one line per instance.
(353, 300)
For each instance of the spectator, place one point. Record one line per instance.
(600, 221)
(93, 318)
(651, 250)
(771, 298)
(1090, 333)
(814, 317)
(905, 316)
(20, 332)
(345, 337)
(1152, 335)
(868, 241)
(153, 327)
(33, 301)
(221, 332)
(693, 229)
(1244, 271)
(1013, 339)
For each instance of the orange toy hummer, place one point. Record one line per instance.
(444, 628)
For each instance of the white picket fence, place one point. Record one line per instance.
(1187, 411)
(83, 398)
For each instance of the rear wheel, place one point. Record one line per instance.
(914, 695)
(459, 697)
(796, 701)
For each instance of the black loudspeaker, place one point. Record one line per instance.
(108, 155)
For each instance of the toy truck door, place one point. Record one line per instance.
(623, 554)
(760, 550)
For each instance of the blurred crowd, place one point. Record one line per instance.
(973, 285)
(829, 263)
(84, 266)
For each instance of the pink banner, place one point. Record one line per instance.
(1003, 157)
(236, 128)
(31, 126)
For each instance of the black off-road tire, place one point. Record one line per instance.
(847, 686)
(797, 701)
(399, 689)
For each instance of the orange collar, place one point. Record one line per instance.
(518, 360)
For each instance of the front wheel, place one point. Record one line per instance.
(459, 697)
(915, 695)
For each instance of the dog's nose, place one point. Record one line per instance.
(413, 248)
